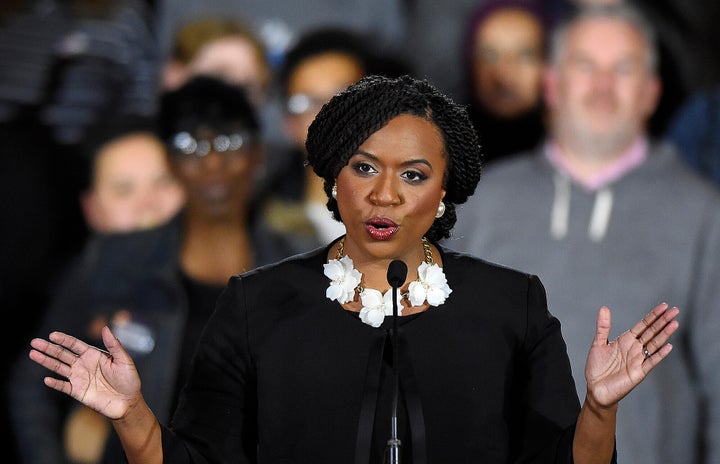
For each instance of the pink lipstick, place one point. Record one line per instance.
(381, 228)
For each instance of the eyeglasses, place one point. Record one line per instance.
(184, 144)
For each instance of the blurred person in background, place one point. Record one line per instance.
(130, 184)
(695, 130)
(64, 64)
(688, 60)
(604, 212)
(222, 47)
(156, 286)
(505, 58)
(437, 31)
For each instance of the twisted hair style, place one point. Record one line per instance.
(349, 118)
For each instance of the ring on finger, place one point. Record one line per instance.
(646, 352)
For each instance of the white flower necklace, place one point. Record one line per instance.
(345, 281)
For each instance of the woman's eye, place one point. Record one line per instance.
(414, 176)
(364, 168)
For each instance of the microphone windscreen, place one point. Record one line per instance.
(397, 272)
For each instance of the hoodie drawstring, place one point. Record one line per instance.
(597, 229)
(560, 213)
(561, 207)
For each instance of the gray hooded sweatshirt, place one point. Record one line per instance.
(652, 235)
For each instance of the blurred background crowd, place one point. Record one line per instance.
(152, 148)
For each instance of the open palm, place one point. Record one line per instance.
(107, 382)
(615, 367)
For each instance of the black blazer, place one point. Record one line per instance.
(283, 374)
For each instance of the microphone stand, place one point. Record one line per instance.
(394, 442)
(397, 272)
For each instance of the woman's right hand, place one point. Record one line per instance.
(107, 382)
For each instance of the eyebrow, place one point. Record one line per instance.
(404, 163)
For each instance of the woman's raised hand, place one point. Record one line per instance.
(106, 381)
(615, 367)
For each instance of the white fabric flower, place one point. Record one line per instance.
(343, 279)
(431, 286)
(376, 306)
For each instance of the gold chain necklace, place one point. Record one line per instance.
(426, 249)
(346, 283)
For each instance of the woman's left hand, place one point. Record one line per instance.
(615, 367)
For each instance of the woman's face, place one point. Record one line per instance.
(132, 186)
(389, 191)
(217, 180)
(508, 63)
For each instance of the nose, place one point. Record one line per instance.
(386, 191)
(213, 161)
(149, 208)
(604, 78)
(506, 67)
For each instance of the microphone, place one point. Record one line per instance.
(396, 275)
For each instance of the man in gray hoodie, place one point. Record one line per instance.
(605, 215)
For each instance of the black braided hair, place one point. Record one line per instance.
(350, 117)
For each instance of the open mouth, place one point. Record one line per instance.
(381, 228)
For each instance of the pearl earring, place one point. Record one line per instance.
(334, 191)
(440, 210)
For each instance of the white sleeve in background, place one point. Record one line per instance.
(326, 227)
